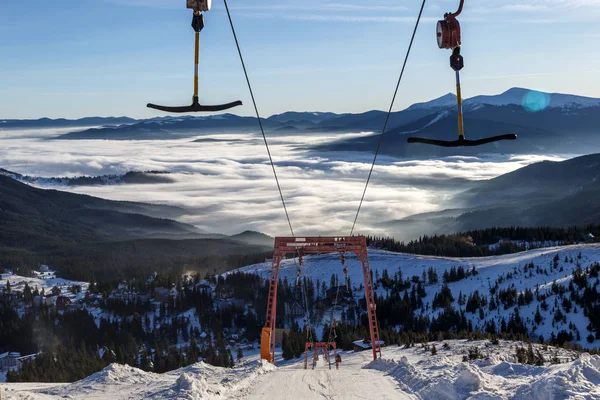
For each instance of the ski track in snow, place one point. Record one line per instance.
(403, 374)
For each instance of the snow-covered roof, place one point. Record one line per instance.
(28, 356)
(10, 354)
(362, 344)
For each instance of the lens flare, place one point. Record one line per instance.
(535, 101)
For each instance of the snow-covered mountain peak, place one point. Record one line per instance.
(447, 100)
(534, 100)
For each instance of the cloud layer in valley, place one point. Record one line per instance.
(228, 186)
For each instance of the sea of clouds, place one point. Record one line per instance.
(226, 181)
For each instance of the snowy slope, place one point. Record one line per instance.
(505, 271)
(447, 100)
(412, 373)
(43, 281)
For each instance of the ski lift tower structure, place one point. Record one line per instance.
(284, 246)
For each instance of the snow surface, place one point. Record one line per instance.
(412, 373)
(321, 267)
(43, 280)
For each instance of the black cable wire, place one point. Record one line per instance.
(258, 118)
(387, 119)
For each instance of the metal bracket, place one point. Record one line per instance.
(199, 5)
(198, 21)
(450, 15)
(457, 62)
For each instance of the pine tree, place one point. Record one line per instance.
(538, 316)
(332, 281)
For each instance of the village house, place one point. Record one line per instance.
(144, 297)
(294, 310)
(161, 294)
(9, 360)
(44, 300)
(204, 287)
(73, 307)
(126, 296)
(21, 360)
(224, 291)
(62, 302)
(362, 345)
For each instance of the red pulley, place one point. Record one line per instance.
(448, 32)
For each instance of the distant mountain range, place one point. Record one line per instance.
(562, 124)
(62, 123)
(542, 194)
(545, 122)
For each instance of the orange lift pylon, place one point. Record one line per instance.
(317, 245)
(321, 349)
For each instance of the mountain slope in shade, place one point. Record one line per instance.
(548, 193)
(33, 217)
(546, 180)
(254, 238)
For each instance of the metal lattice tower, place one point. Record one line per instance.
(317, 245)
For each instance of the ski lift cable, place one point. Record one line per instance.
(307, 313)
(258, 117)
(332, 319)
(387, 119)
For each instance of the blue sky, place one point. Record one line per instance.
(75, 58)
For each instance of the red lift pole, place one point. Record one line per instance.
(317, 245)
